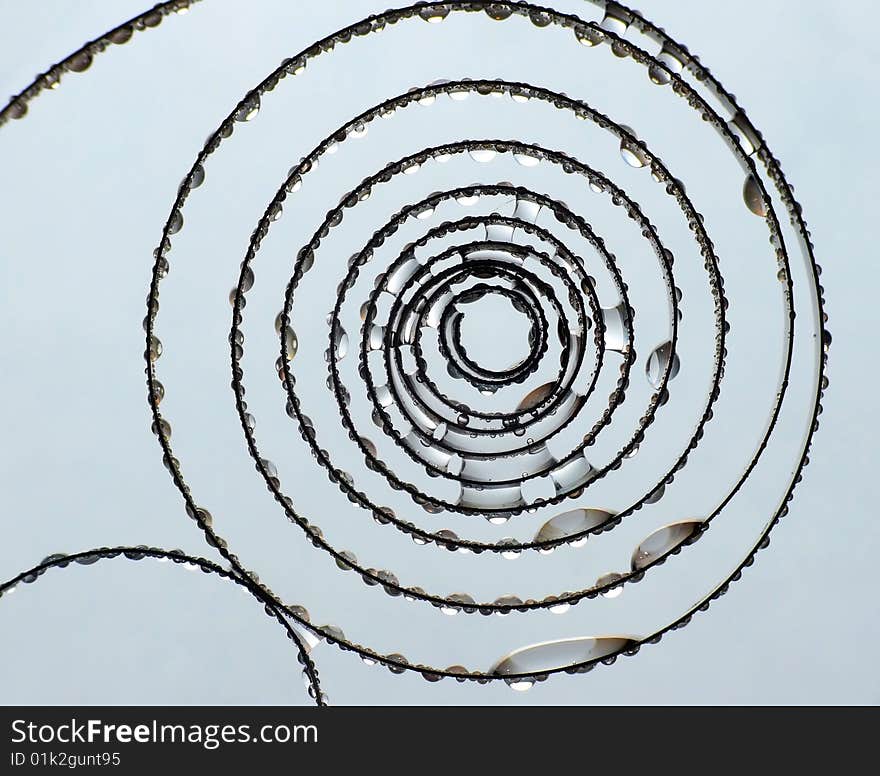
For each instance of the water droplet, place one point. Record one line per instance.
(507, 600)
(307, 258)
(553, 655)
(610, 579)
(340, 343)
(539, 18)
(424, 212)
(527, 160)
(291, 343)
(674, 61)
(434, 13)
(18, 109)
(656, 495)
(397, 658)
(162, 266)
(616, 19)
(571, 523)
(658, 75)
(753, 198)
(198, 177)
(536, 397)
(482, 155)
(745, 133)
(294, 184)
(509, 554)
(249, 108)
(447, 535)
(158, 391)
(587, 36)
(270, 468)
(58, 558)
(498, 12)
(122, 35)
(631, 152)
(346, 560)
(175, 223)
(616, 330)
(658, 362)
(161, 428)
(295, 66)
(662, 542)
(155, 350)
(376, 338)
(430, 676)
(79, 62)
(205, 516)
(333, 632)
(458, 598)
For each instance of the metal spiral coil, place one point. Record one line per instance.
(609, 443)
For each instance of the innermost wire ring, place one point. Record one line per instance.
(523, 303)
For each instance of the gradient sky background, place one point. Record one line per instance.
(86, 182)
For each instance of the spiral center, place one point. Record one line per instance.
(494, 333)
